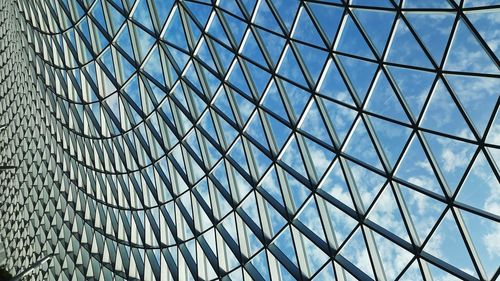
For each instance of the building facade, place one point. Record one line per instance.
(250, 140)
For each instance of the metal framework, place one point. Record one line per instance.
(250, 140)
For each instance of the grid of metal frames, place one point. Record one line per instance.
(250, 140)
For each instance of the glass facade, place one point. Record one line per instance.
(250, 140)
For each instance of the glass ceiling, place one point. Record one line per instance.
(250, 140)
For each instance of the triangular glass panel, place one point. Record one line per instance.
(358, 73)
(352, 42)
(334, 186)
(290, 69)
(434, 30)
(479, 189)
(442, 114)
(479, 107)
(328, 18)
(361, 147)
(341, 117)
(414, 86)
(466, 54)
(377, 26)
(314, 125)
(383, 100)
(483, 233)
(386, 213)
(307, 31)
(405, 49)
(394, 258)
(446, 244)
(392, 138)
(424, 210)
(367, 184)
(332, 84)
(416, 169)
(355, 251)
(452, 157)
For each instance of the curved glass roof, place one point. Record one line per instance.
(250, 140)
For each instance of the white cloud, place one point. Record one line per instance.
(491, 241)
(453, 160)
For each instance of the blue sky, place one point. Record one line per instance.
(309, 126)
